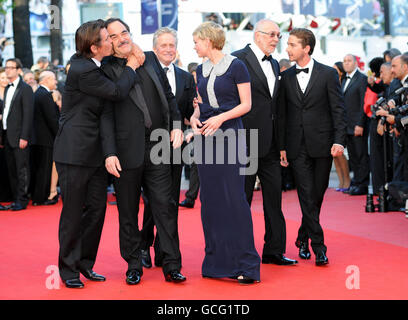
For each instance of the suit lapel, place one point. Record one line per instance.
(294, 83)
(16, 92)
(150, 70)
(313, 77)
(352, 81)
(256, 67)
(276, 71)
(179, 83)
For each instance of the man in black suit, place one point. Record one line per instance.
(354, 87)
(150, 108)
(17, 133)
(46, 117)
(183, 88)
(265, 78)
(311, 120)
(78, 152)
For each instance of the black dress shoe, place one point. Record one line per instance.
(74, 283)
(3, 208)
(278, 259)
(187, 203)
(174, 276)
(321, 259)
(246, 280)
(133, 277)
(358, 191)
(304, 252)
(16, 206)
(91, 275)
(146, 259)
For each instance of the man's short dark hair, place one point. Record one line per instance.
(404, 58)
(17, 61)
(306, 37)
(392, 53)
(112, 20)
(87, 35)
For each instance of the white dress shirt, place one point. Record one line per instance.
(97, 62)
(348, 80)
(266, 67)
(7, 104)
(303, 78)
(171, 76)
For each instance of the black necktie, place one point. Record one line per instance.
(305, 70)
(165, 70)
(269, 58)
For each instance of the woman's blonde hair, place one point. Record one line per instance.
(213, 32)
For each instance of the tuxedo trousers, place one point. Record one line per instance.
(18, 164)
(148, 221)
(270, 176)
(312, 179)
(358, 157)
(83, 192)
(194, 183)
(156, 181)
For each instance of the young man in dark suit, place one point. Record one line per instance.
(265, 80)
(354, 87)
(46, 117)
(150, 106)
(17, 133)
(78, 152)
(183, 88)
(311, 120)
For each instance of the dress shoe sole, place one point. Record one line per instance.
(96, 279)
(279, 263)
(305, 257)
(175, 281)
(132, 283)
(322, 263)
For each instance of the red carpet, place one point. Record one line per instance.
(375, 243)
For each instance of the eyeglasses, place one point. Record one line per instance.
(123, 34)
(272, 34)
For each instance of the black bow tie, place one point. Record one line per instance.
(348, 78)
(269, 58)
(10, 85)
(305, 70)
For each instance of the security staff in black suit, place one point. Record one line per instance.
(17, 133)
(354, 87)
(78, 151)
(46, 117)
(183, 87)
(311, 118)
(265, 81)
(150, 108)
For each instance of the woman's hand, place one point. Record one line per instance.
(212, 124)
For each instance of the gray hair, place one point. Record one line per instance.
(161, 31)
(44, 75)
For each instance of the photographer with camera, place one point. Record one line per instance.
(396, 117)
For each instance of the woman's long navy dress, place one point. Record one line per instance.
(225, 213)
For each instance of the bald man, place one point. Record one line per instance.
(354, 87)
(265, 77)
(46, 117)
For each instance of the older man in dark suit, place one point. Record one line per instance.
(265, 81)
(354, 87)
(311, 118)
(150, 108)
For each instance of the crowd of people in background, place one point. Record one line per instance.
(375, 138)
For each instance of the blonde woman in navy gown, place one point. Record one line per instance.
(224, 96)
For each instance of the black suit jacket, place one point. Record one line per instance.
(20, 116)
(185, 93)
(317, 115)
(127, 115)
(81, 132)
(354, 102)
(46, 117)
(264, 106)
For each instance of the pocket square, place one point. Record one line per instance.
(279, 77)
